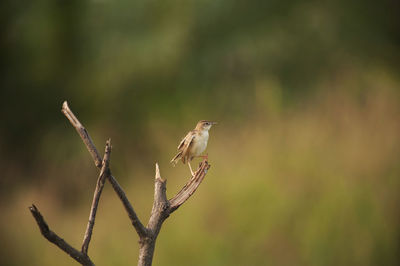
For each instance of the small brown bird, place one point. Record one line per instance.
(193, 144)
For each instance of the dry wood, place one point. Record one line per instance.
(58, 241)
(190, 187)
(104, 173)
(162, 207)
(83, 133)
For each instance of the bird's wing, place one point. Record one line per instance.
(183, 147)
(186, 141)
(187, 144)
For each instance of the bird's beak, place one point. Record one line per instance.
(214, 123)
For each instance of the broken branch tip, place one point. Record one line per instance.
(65, 105)
(158, 176)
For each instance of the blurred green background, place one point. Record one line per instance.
(305, 158)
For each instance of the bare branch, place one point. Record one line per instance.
(105, 171)
(190, 187)
(137, 224)
(83, 133)
(139, 227)
(58, 241)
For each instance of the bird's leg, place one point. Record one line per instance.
(204, 156)
(190, 167)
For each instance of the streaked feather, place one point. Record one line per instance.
(184, 147)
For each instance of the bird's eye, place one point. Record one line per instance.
(207, 123)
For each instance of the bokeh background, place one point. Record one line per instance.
(305, 158)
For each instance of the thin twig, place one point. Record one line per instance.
(104, 173)
(83, 133)
(139, 227)
(137, 224)
(58, 241)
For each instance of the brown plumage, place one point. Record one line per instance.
(194, 143)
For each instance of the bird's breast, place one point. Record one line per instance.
(200, 143)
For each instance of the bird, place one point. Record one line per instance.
(193, 144)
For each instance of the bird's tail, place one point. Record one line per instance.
(176, 159)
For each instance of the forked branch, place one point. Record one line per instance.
(58, 241)
(87, 140)
(162, 209)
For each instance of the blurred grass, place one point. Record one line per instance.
(314, 186)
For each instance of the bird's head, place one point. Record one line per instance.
(205, 125)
